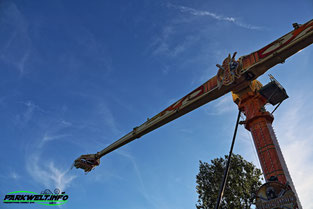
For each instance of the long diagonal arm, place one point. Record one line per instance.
(233, 75)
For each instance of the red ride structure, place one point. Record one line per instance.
(239, 77)
(258, 121)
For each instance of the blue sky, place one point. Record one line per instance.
(78, 75)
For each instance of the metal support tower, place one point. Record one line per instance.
(259, 123)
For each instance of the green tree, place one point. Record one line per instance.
(243, 180)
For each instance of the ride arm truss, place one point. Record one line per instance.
(233, 75)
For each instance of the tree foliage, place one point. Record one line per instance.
(243, 180)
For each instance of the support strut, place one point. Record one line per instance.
(222, 188)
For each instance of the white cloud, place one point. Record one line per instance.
(23, 118)
(15, 48)
(108, 117)
(50, 138)
(221, 106)
(66, 123)
(137, 171)
(24, 58)
(214, 16)
(47, 173)
(55, 132)
(14, 175)
(164, 44)
(294, 130)
(43, 170)
(29, 111)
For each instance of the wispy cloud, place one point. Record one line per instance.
(30, 107)
(221, 106)
(39, 166)
(108, 117)
(22, 62)
(56, 132)
(16, 43)
(47, 173)
(43, 170)
(48, 138)
(160, 44)
(215, 16)
(181, 35)
(11, 175)
(294, 130)
(14, 175)
(27, 115)
(137, 171)
(165, 45)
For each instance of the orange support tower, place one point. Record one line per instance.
(259, 123)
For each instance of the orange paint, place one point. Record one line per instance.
(259, 123)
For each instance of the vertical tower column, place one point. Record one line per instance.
(259, 123)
